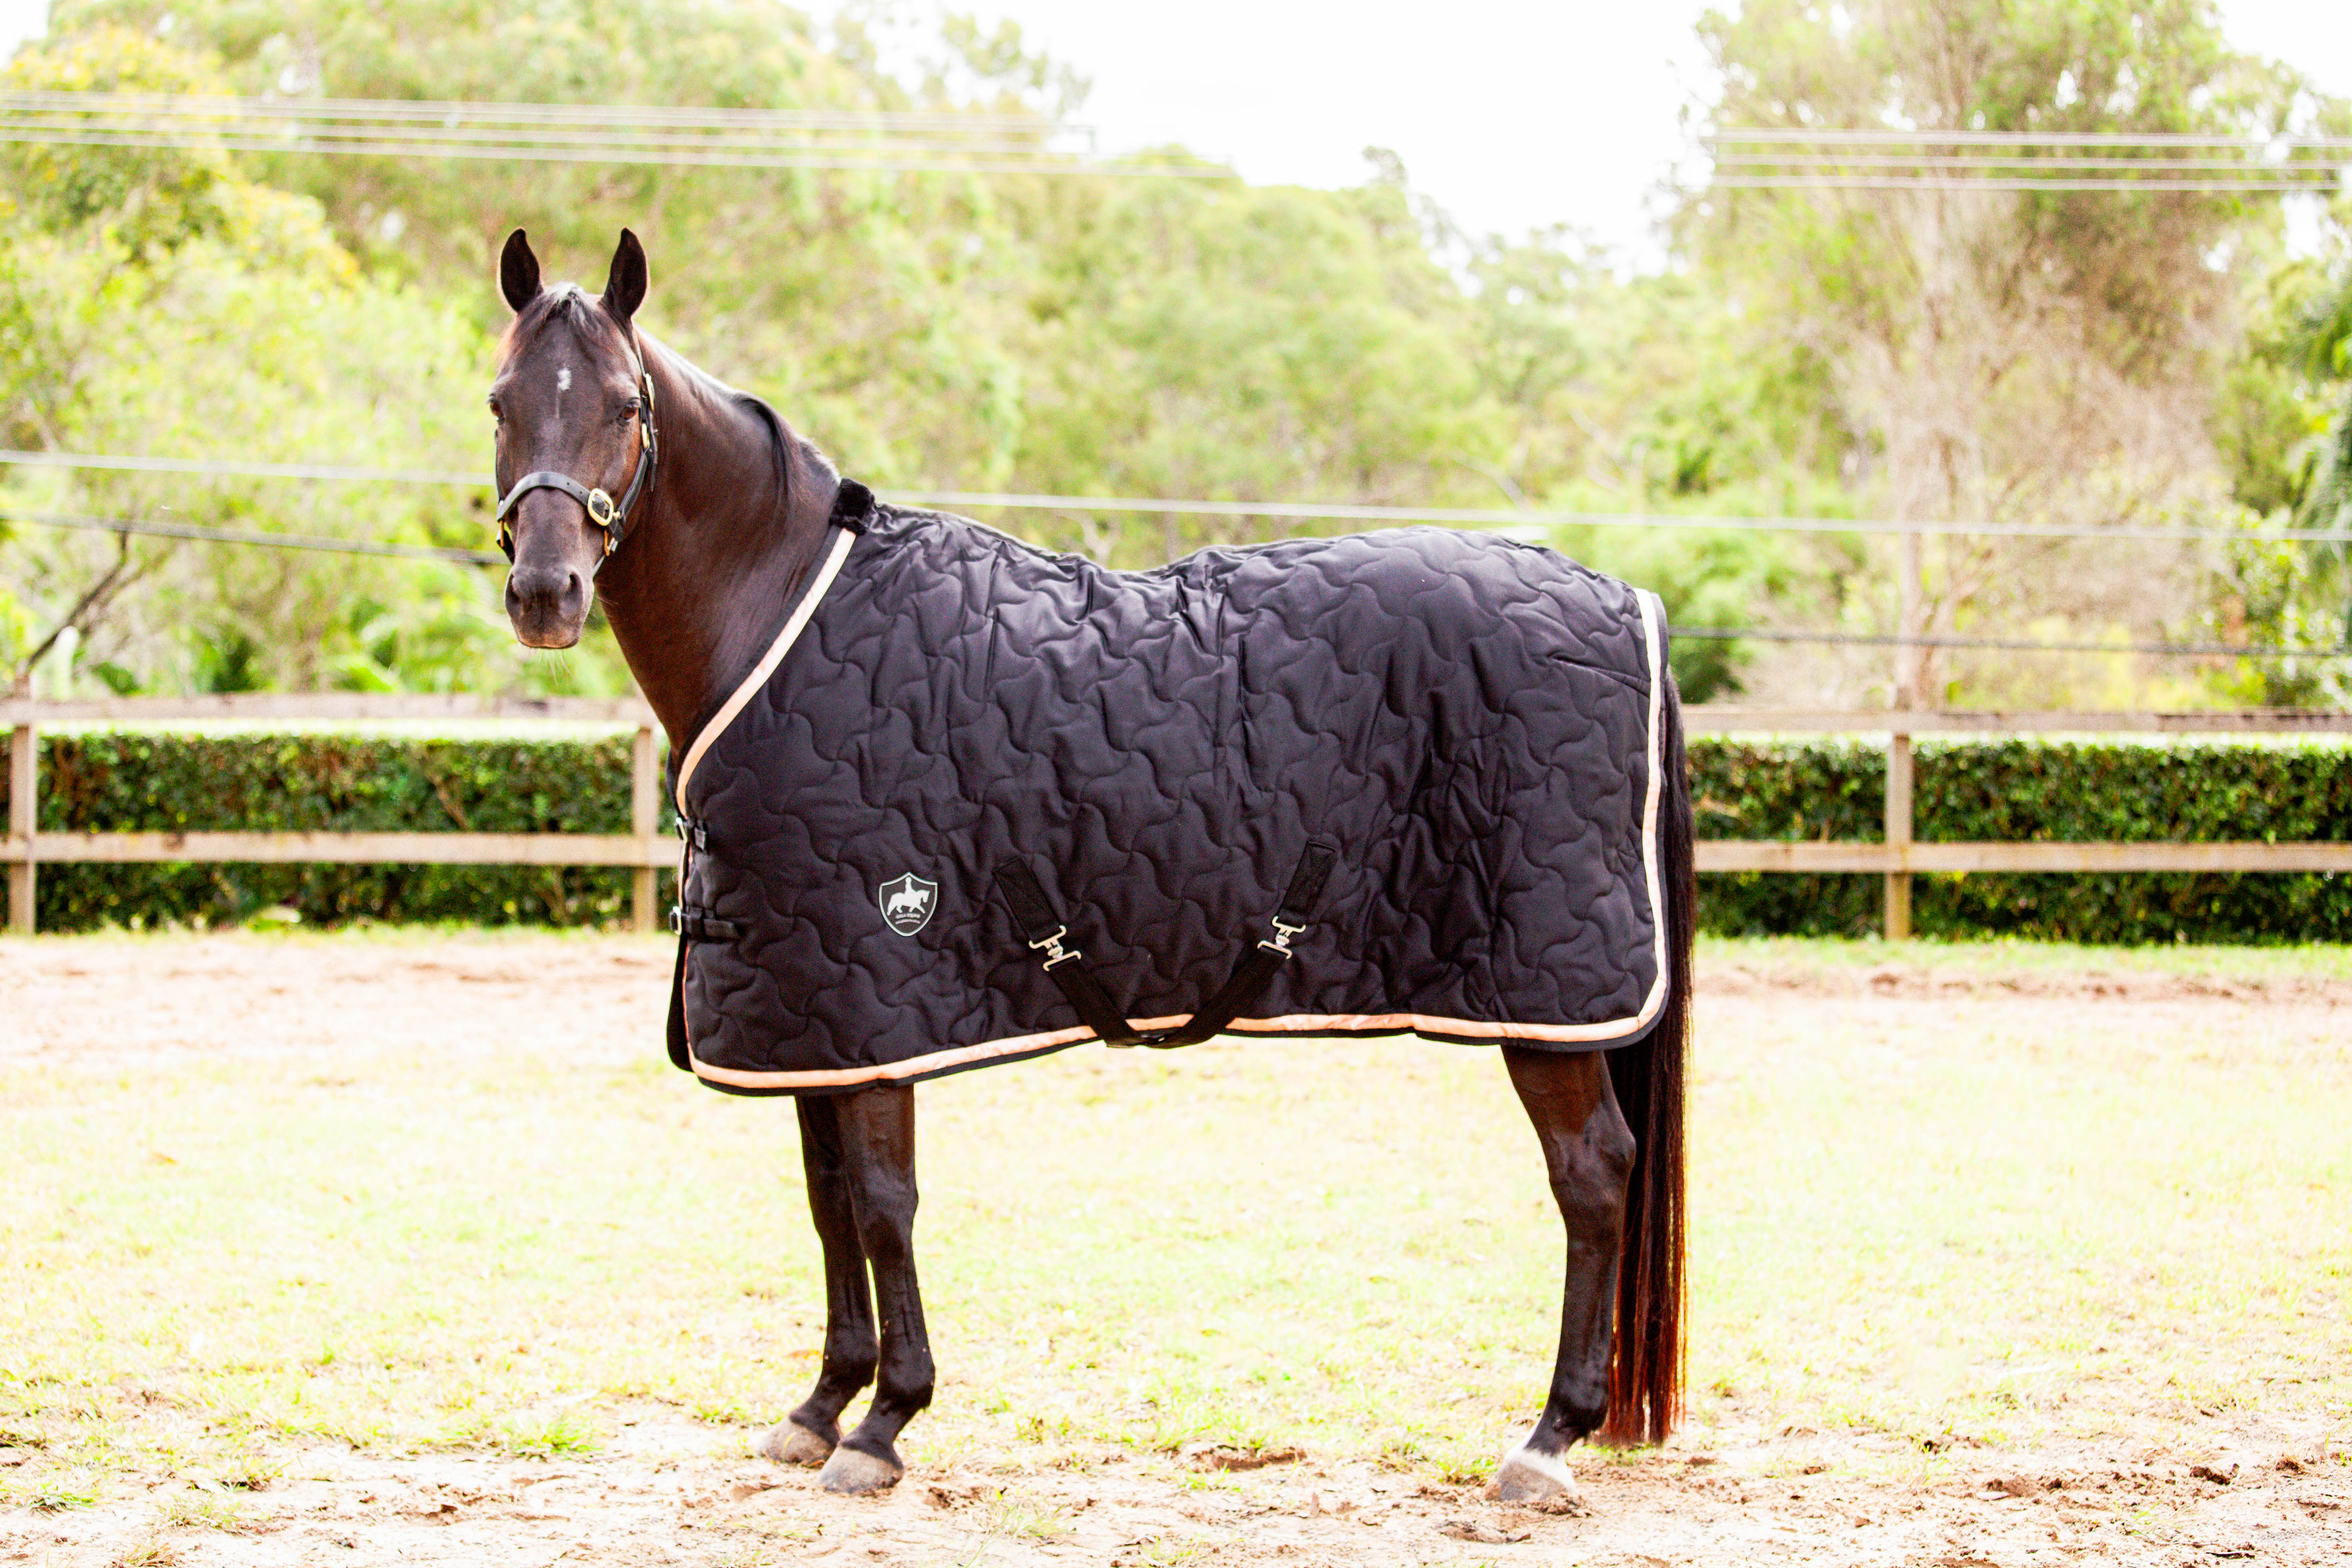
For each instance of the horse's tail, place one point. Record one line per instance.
(1646, 1372)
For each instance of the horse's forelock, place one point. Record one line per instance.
(568, 304)
(571, 304)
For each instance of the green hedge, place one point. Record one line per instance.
(2018, 790)
(162, 783)
(1995, 791)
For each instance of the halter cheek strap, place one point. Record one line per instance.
(610, 517)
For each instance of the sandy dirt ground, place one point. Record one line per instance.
(668, 1489)
(661, 1496)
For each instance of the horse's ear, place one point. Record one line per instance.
(517, 271)
(624, 287)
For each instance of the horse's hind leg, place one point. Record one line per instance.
(877, 1141)
(1589, 1153)
(807, 1436)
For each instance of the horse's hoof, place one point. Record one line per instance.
(853, 1474)
(789, 1443)
(1526, 1476)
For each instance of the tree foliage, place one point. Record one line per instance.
(2079, 357)
(2011, 356)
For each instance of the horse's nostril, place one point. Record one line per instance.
(556, 593)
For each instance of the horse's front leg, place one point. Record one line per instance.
(1588, 1154)
(808, 1434)
(878, 1142)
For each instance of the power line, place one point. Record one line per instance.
(1931, 640)
(1494, 516)
(226, 468)
(127, 130)
(252, 536)
(211, 108)
(1340, 511)
(2009, 160)
(1988, 182)
(534, 154)
(882, 140)
(1785, 158)
(1786, 136)
(1716, 633)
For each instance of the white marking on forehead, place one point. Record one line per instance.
(563, 378)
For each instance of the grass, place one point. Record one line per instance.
(1964, 1222)
(51, 1495)
(2010, 956)
(1024, 1518)
(195, 1510)
(543, 1438)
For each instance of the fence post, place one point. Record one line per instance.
(1898, 831)
(24, 785)
(644, 818)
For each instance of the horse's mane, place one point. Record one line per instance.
(788, 442)
(569, 303)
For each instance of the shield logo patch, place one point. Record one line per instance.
(907, 903)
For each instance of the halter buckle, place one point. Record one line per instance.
(600, 509)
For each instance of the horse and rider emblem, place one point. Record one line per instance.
(907, 903)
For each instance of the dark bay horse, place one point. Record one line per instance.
(701, 521)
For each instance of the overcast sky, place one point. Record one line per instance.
(1512, 114)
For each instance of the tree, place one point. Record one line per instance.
(156, 302)
(2002, 356)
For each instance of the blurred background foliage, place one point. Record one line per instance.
(2087, 358)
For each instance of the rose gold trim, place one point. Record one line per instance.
(767, 665)
(885, 1072)
(1292, 1023)
(1398, 1022)
(1653, 612)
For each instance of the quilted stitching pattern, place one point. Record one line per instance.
(1466, 719)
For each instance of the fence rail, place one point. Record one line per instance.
(1899, 855)
(1898, 858)
(1720, 719)
(24, 847)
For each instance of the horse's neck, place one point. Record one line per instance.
(695, 591)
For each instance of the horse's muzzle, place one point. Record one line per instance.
(547, 605)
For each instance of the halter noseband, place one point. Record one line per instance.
(610, 517)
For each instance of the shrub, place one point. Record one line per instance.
(2007, 791)
(144, 782)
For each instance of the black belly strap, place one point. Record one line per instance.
(1046, 934)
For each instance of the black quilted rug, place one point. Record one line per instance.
(1470, 725)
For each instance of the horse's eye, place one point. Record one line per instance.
(629, 410)
(498, 412)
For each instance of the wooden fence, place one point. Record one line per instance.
(1900, 855)
(643, 849)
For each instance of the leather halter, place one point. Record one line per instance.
(610, 517)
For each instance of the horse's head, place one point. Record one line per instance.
(572, 404)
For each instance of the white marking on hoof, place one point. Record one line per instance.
(789, 1443)
(855, 1474)
(1527, 1475)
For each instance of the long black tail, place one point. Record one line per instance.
(1645, 1373)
